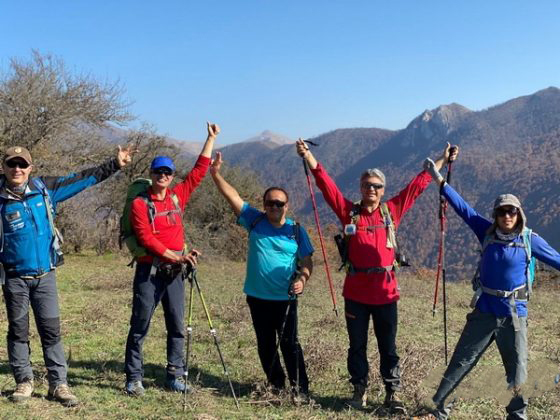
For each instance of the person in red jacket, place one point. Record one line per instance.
(159, 276)
(370, 288)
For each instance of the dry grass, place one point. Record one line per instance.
(95, 296)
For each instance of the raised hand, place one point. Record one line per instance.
(301, 147)
(124, 155)
(450, 153)
(216, 164)
(213, 129)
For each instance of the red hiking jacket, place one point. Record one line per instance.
(368, 248)
(169, 231)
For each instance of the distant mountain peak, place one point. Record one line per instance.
(434, 123)
(444, 115)
(268, 136)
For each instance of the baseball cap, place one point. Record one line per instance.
(18, 152)
(162, 162)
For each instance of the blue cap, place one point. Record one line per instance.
(162, 162)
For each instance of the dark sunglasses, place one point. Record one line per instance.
(369, 185)
(17, 163)
(502, 211)
(272, 203)
(162, 171)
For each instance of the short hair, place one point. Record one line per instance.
(276, 189)
(373, 172)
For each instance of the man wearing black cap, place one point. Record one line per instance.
(158, 275)
(29, 253)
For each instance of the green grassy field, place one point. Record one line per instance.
(95, 297)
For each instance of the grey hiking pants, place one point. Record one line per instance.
(41, 293)
(148, 292)
(479, 332)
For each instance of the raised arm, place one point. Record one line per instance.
(331, 193)
(304, 152)
(478, 223)
(544, 252)
(213, 131)
(230, 193)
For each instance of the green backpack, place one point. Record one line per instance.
(139, 188)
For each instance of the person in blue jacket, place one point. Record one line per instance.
(29, 253)
(502, 290)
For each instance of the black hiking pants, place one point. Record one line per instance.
(385, 327)
(148, 292)
(269, 317)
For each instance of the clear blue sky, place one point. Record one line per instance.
(299, 68)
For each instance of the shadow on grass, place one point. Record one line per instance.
(154, 376)
(340, 404)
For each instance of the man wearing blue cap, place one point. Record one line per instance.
(157, 221)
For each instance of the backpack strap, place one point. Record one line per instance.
(56, 235)
(391, 239)
(388, 222)
(255, 222)
(2, 182)
(530, 269)
(519, 293)
(355, 212)
(295, 226)
(2, 271)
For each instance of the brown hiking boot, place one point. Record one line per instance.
(359, 399)
(393, 403)
(23, 391)
(63, 395)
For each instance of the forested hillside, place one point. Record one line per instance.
(511, 147)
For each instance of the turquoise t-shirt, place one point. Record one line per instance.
(272, 256)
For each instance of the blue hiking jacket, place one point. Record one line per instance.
(502, 267)
(27, 236)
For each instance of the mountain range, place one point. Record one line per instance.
(511, 147)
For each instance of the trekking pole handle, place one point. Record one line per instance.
(452, 150)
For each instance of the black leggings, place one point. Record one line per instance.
(268, 320)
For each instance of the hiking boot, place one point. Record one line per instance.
(359, 399)
(393, 403)
(428, 416)
(63, 395)
(301, 397)
(135, 388)
(23, 391)
(174, 384)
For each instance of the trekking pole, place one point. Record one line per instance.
(318, 225)
(213, 332)
(189, 337)
(441, 271)
(295, 340)
(292, 301)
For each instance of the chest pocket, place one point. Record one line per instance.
(13, 221)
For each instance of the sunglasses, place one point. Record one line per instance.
(502, 211)
(17, 164)
(162, 171)
(369, 185)
(274, 203)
